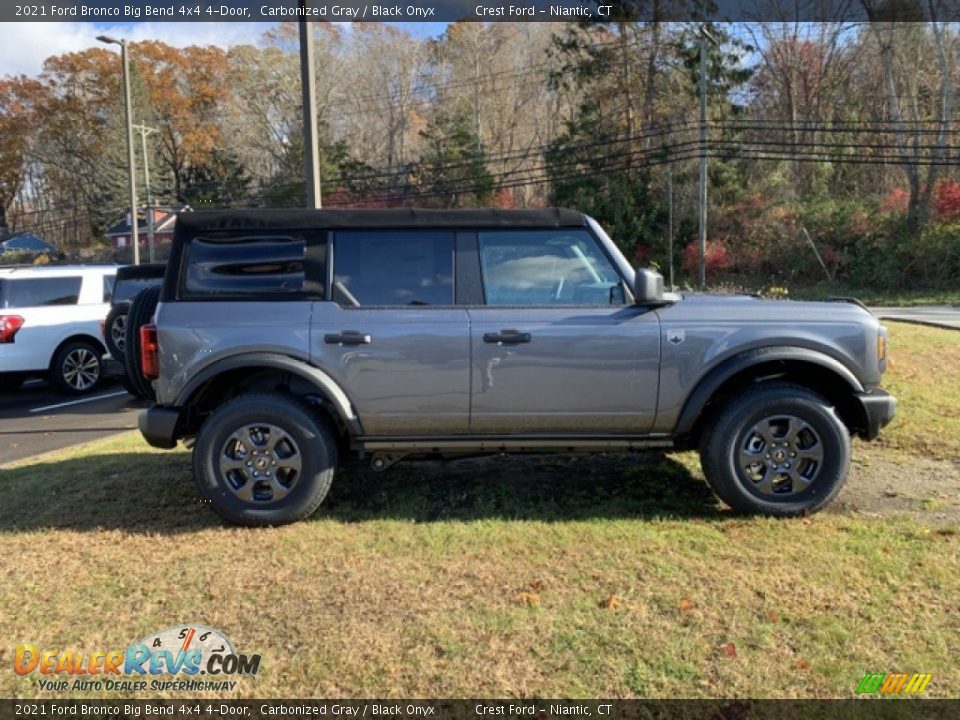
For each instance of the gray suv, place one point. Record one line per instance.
(288, 341)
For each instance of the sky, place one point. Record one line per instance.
(25, 45)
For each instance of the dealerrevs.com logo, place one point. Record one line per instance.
(191, 651)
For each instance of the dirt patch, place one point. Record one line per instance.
(884, 483)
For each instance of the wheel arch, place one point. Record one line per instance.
(808, 368)
(261, 371)
(78, 337)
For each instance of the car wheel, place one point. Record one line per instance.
(114, 332)
(777, 449)
(76, 368)
(11, 382)
(142, 308)
(265, 459)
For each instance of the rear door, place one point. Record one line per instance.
(393, 336)
(556, 349)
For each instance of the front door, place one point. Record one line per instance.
(555, 347)
(392, 337)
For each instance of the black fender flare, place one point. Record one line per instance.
(325, 384)
(717, 376)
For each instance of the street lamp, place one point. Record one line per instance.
(144, 131)
(131, 162)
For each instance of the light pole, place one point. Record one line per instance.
(144, 131)
(704, 37)
(131, 162)
(308, 90)
(703, 159)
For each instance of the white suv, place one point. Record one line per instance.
(50, 325)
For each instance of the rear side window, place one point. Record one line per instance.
(38, 292)
(126, 289)
(250, 266)
(394, 267)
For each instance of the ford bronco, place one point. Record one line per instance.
(288, 341)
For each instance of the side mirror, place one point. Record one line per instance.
(647, 287)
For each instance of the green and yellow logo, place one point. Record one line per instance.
(894, 683)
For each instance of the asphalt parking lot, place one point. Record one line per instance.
(37, 419)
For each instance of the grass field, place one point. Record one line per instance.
(542, 576)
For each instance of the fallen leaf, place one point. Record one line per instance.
(686, 604)
(773, 616)
(611, 603)
(528, 598)
(802, 665)
(729, 649)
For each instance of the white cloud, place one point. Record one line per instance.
(24, 45)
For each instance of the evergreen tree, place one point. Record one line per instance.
(453, 169)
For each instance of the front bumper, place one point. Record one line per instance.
(159, 424)
(878, 409)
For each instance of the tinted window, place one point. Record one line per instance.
(36, 292)
(126, 289)
(393, 268)
(241, 266)
(547, 267)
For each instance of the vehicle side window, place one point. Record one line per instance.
(38, 292)
(247, 266)
(401, 267)
(108, 282)
(547, 267)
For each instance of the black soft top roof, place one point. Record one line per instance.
(205, 221)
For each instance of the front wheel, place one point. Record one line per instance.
(265, 459)
(777, 449)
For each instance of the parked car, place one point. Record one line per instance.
(287, 341)
(50, 325)
(130, 280)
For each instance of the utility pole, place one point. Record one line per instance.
(131, 162)
(311, 153)
(144, 131)
(670, 221)
(703, 158)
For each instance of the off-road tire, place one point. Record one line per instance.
(725, 435)
(311, 435)
(142, 308)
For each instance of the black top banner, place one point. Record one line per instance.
(487, 11)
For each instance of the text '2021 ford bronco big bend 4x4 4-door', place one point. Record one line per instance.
(287, 341)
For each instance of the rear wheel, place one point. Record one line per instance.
(265, 459)
(142, 308)
(778, 449)
(76, 368)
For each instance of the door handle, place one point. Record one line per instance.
(507, 337)
(348, 337)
